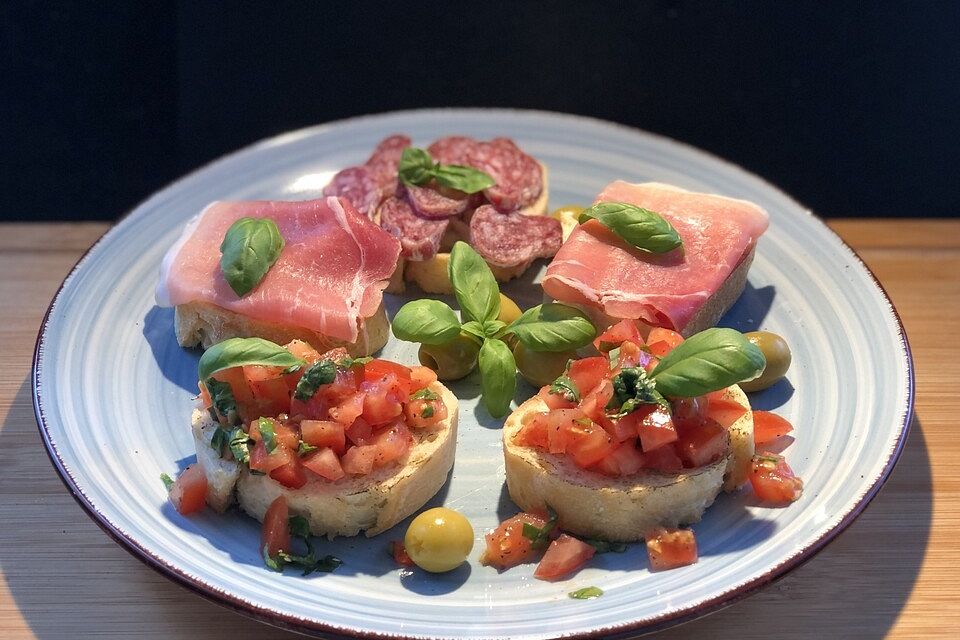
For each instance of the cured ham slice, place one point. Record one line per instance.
(328, 278)
(596, 269)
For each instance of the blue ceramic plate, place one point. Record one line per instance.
(113, 398)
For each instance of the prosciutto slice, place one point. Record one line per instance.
(328, 278)
(595, 268)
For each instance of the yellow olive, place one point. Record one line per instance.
(541, 367)
(439, 540)
(452, 360)
(777, 353)
(509, 311)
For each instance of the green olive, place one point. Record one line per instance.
(777, 353)
(452, 360)
(541, 367)
(509, 311)
(439, 540)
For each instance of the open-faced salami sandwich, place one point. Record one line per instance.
(430, 198)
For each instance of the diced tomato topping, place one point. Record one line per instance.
(533, 433)
(773, 480)
(767, 427)
(275, 534)
(358, 460)
(607, 466)
(291, 474)
(565, 555)
(269, 388)
(663, 459)
(724, 411)
(425, 413)
(349, 408)
(204, 396)
(616, 334)
(285, 434)
(265, 462)
(359, 432)
(377, 371)
(671, 548)
(345, 385)
(302, 350)
(399, 553)
(554, 400)
(588, 444)
(325, 463)
(392, 443)
(507, 546)
(594, 405)
(189, 492)
(654, 427)
(556, 424)
(421, 377)
(623, 429)
(703, 444)
(316, 408)
(689, 410)
(380, 404)
(662, 341)
(324, 433)
(587, 373)
(336, 354)
(628, 458)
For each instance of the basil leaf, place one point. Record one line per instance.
(265, 425)
(426, 321)
(466, 179)
(299, 527)
(275, 564)
(539, 537)
(632, 388)
(587, 593)
(708, 361)
(349, 361)
(167, 481)
(425, 394)
(473, 284)
(639, 227)
(566, 388)
(236, 352)
(240, 445)
(605, 546)
(416, 166)
(319, 373)
(493, 327)
(553, 327)
(304, 448)
(220, 440)
(498, 376)
(249, 249)
(475, 329)
(225, 405)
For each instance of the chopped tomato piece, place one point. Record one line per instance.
(769, 426)
(344, 385)
(624, 428)
(349, 408)
(595, 403)
(607, 466)
(316, 408)
(291, 474)
(425, 413)
(662, 341)
(556, 424)
(325, 463)
(616, 334)
(359, 432)
(269, 388)
(392, 442)
(246, 405)
(587, 373)
(671, 548)
(189, 492)
(554, 400)
(336, 354)
(724, 411)
(378, 371)
(533, 433)
(324, 433)
(663, 459)
(302, 350)
(654, 427)
(689, 411)
(628, 458)
(275, 534)
(380, 405)
(507, 546)
(588, 444)
(565, 555)
(265, 462)
(204, 396)
(703, 444)
(421, 377)
(773, 480)
(399, 552)
(358, 460)
(285, 434)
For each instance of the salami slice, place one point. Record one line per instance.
(419, 237)
(519, 179)
(436, 204)
(385, 159)
(452, 150)
(357, 185)
(512, 239)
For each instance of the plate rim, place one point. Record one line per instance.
(294, 623)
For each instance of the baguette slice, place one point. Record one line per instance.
(620, 509)
(372, 503)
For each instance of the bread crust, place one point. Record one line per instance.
(372, 503)
(620, 509)
(203, 324)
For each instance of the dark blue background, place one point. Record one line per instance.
(853, 107)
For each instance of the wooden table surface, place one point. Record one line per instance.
(895, 571)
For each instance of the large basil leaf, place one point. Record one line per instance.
(466, 179)
(553, 327)
(640, 227)
(249, 248)
(473, 284)
(498, 376)
(237, 352)
(426, 321)
(708, 361)
(416, 166)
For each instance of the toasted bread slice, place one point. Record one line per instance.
(371, 503)
(204, 324)
(620, 509)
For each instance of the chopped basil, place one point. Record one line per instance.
(631, 389)
(267, 433)
(587, 593)
(427, 412)
(583, 422)
(349, 362)
(605, 546)
(272, 563)
(309, 562)
(304, 448)
(240, 445)
(425, 394)
(167, 481)
(299, 527)
(566, 388)
(223, 401)
(319, 373)
(220, 440)
(540, 536)
(614, 355)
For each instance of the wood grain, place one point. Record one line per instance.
(893, 573)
